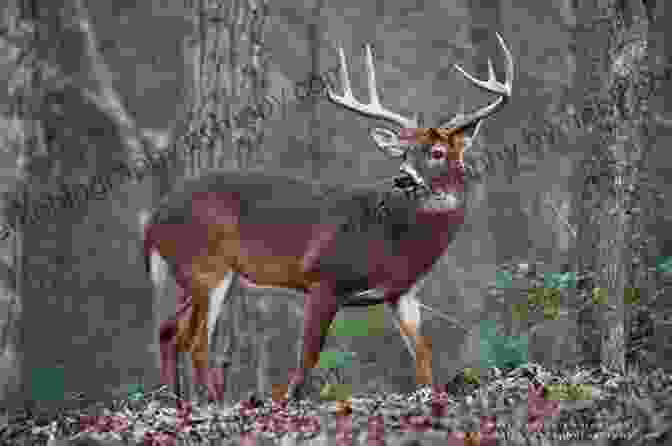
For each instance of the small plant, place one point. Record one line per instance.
(136, 392)
(501, 351)
(472, 376)
(48, 384)
(664, 265)
(336, 392)
(600, 296)
(560, 280)
(372, 325)
(567, 392)
(504, 279)
(631, 296)
(334, 362)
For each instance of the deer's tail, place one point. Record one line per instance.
(148, 240)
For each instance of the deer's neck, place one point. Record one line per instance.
(442, 211)
(426, 201)
(444, 202)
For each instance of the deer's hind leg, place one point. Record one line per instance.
(212, 279)
(211, 285)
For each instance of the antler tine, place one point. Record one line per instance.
(374, 109)
(491, 85)
(345, 76)
(371, 72)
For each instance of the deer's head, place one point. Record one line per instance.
(433, 157)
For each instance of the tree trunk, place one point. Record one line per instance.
(74, 126)
(314, 127)
(228, 112)
(608, 211)
(11, 283)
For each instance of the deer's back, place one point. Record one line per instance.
(265, 223)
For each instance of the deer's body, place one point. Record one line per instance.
(341, 245)
(359, 238)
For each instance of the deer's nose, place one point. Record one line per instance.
(457, 163)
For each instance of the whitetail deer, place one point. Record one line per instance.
(340, 245)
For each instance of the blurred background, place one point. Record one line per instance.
(87, 85)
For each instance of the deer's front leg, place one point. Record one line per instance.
(406, 313)
(321, 307)
(220, 336)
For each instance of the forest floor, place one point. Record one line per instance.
(525, 405)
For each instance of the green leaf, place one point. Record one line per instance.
(551, 312)
(504, 279)
(556, 392)
(357, 328)
(600, 296)
(535, 296)
(376, 320)
(664, 264)
(488, 329)
(336, 392)
(472, 375)
(560, 280)
(522, 341)
(568, 392)
(349, 327)
(136, 392)
(516, 351)
(328, 392)
(520, 311)
(502, 351)
(488, 353)
(332, 359)
(328, 360)
(552, 297)
(631, 296)
(579, 392)
(338, 327)
(343, 391)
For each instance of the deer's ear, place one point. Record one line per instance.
(388, 142)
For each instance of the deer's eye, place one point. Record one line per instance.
(438, 152)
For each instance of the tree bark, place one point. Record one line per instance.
(11, 280)
(314, 127)
(607, 212)
(226, 124)
(65, 94)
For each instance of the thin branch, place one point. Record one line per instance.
(588, 26)
(562, 218)
(106, 97)
(443, 316)
(662, 121)
(7, 277)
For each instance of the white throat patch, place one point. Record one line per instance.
(444, 201)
